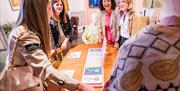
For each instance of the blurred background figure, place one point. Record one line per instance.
(151, 61)
(125, 17)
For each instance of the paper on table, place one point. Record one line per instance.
(76, 54)
(70, 73)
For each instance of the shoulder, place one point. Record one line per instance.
(17, 31)
(24, 36)
(53, 21)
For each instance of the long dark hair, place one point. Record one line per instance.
(33, 14)
(113, 5)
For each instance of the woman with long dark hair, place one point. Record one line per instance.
(61, 27)
(28, 46)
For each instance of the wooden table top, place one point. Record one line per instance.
(78, 64)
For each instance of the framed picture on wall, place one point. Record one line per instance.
(15, 4)
(94, 3)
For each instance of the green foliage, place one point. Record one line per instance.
(7, 28)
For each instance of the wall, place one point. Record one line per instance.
(76, 8)
(6, 13)
(81, 9)
(138, 6)
(88, 12)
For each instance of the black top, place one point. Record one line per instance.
(66, 27)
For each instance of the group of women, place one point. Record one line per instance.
(44, 25)
(113, 24)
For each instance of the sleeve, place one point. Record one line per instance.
(68, 29)
(30, 49)
(126, 73)
(117, 29)
(54, 32)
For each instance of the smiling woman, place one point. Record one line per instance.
(15, 4)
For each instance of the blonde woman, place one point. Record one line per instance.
(125, 16)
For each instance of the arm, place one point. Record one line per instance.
(68, 29)
(117, 29)
(30, 49)
(64, 44)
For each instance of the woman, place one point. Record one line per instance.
(61, 28)
(125, 17)
(151, 61)
(30, 54)
(107, 22)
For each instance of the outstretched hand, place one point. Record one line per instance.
(84, 87)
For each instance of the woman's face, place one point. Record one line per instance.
(107, 4)
(58, 7)
(123, 5)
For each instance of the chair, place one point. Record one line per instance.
(75, 22)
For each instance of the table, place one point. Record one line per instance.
(78, 64)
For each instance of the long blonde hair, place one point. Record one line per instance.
(33, 14)
(130, 6)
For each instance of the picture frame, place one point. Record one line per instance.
(94, 3)
(15, 4)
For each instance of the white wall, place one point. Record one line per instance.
(76, 5)
(6, 13)
(138, 6)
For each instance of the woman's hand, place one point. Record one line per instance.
(64, 44)
(84, 87)
(51, 55)
(116, 45)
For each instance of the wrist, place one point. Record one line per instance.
(77, 87)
